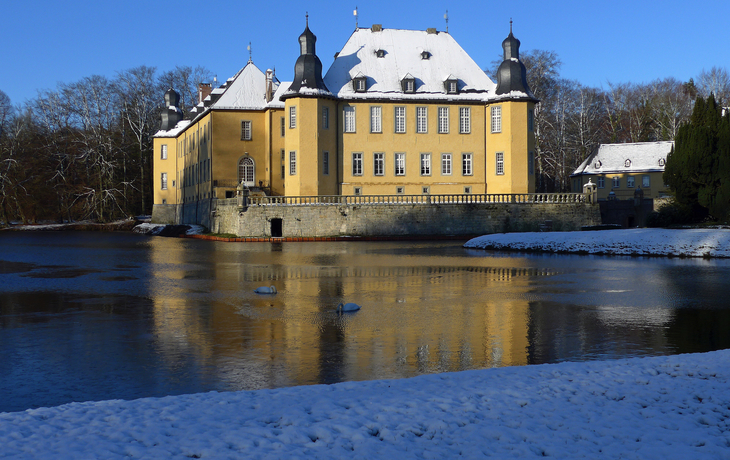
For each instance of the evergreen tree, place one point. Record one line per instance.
(698, 167)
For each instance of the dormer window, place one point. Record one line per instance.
(359, 83)
(627, 163)
(425, 55)
(451, 85)
(661, 161)
(408, 84)
(380, 53)
(597, 164)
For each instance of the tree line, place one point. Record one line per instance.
(84, 149)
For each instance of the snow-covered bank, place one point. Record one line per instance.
(649, 242)
(673, 407)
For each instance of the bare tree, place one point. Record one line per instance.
(185, 80)
(715, 81)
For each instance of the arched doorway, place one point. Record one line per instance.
(246, 172)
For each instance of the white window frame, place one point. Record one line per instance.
(293, 163)
(446, 163)
(357, 163)
(400, 190)
(400, 119)
(601, 182)
(496, 116)
(400, 164)
(357, 191)
(646, 181)
(378, 164)
(499, 163)
(421, 120)
(163, 181)
(348, 112)
(615, 182)
(464, 120)
(246, 130)
(425, 164)
(376, 119)
(467, 164)
(293, 117)
(443, 113)
(630, 182)
(163, 152)
(326, 163)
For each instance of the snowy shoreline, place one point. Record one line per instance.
(707, 243)
(666, 407)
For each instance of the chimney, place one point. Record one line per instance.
(204, 90)
(269, 85)
(377, 28)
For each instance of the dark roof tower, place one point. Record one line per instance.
(512, 74)
(308, 68)
(171, 113)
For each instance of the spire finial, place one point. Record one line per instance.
(307, 16)
(249, 52)
(510, 25)
(355, 14)
(446, 16)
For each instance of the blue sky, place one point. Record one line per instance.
(46, 42)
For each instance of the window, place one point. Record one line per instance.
(531, 163)
(467, 190)
(376, 125)
(645, 181)
(358, 190)
(408, 84)
(359, 84)
(245, 130)
(500, 163)
(380, 53)
(467, 168)
(293, 163)
(349, 119)
(400, 164)
(163, 152)
(425, 164)
(163, 181)
(400, 119)
(421, 120)
(246, 171)
(400, 190)
(325, 118)
(497, 119)
(425, 190)
(378, 164)
(627, 163)
(443, 120)
(531, 120)
(445, 164)
(451, 86)
(630, 182)
(325, 163)
(425, 55)
(357, 164)
(601, 182)
(283, 126)
(616, 182)
(464, 120)
(292, 117)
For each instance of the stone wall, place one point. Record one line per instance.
(404, 219)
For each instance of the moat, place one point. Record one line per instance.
(92, 316)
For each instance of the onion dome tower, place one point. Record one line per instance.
(308, 68)
(171, 114)
(512, 75)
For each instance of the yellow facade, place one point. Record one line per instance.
(625, 190)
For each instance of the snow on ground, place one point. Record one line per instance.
(156, 229)
(659, 242)
(670, 407)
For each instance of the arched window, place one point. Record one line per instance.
(246, 171)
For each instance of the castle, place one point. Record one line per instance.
(399, 112)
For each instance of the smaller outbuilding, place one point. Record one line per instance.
(620, 170)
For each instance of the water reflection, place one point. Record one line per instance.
(95, 316)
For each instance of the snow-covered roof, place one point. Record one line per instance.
(626, 158)
(402, 56)
(245, 91)
(179, 127)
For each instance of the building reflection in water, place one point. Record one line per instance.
(421, 314)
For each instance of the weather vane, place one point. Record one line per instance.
(446, 16)
(355, 13)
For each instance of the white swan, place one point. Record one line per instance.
(265, 290)
(345, 307)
